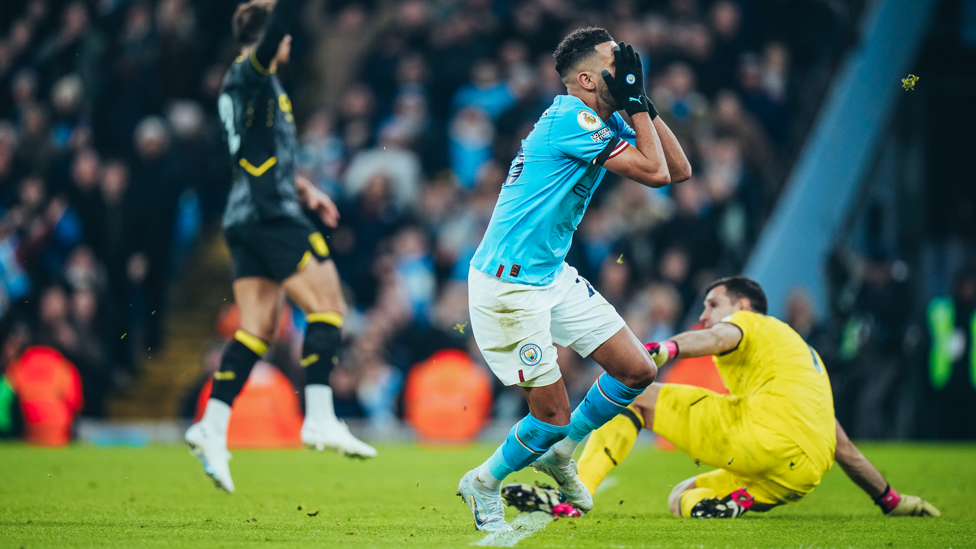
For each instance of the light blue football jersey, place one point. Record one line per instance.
(549, 186)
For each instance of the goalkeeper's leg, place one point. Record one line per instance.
(608, 446)
(716, 494)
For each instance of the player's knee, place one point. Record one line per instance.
(645, 375)
(329, 299)
(645, 403)
(645, 411)
(266, 330)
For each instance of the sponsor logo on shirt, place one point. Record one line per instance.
(588, 121)
(601, 135)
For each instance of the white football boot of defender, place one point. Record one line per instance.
(334, 435)
(566, 475)
(211, 449)
(485, 503)
(322, 429)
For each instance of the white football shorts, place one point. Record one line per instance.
(516, 325)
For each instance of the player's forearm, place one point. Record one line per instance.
(868, 478)
(860, 470)
(277, 27)
(678, 165)
(863, 473)
(699, 343)
(655, 170)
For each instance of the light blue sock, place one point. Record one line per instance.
(528, 439)
(605, 399)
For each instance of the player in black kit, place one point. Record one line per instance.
(275, 249)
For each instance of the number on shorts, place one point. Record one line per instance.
(225, 107)
(816, 361)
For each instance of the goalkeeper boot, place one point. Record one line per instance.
(528, 498)
(565, 473)
(485, 503)
(334, 435)
(210, 448)
(733, 505)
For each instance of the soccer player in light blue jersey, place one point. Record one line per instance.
(524, 298)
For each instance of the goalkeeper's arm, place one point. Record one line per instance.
(867, 476)
(720, 338)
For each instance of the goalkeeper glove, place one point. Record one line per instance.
(895, 505)
(662, 352)
(627, 88)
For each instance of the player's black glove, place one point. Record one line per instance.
(627, 88)
(651, 109)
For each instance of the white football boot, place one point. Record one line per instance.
(334, 435)
(565, 473)
(211, 449)
(485, 503)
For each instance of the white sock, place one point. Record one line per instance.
(565, 448)
(486, 478)
(318, 403)
(217, 415)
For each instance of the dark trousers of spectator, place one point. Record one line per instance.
(877, 374)
(954, 408)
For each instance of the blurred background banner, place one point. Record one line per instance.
(847, 196)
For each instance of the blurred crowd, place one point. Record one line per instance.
(113, 164)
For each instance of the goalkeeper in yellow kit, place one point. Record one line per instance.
(771, 439)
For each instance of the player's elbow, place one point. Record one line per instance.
(682, 173)
(643, 377)
(845, 451)
(656, 178)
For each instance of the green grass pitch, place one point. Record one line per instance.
(157, 496)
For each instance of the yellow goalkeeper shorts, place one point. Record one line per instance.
(719, 430)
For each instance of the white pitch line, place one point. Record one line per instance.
(524, 526)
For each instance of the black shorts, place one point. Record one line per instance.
(275, 249)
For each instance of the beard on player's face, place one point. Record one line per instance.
(606, 97)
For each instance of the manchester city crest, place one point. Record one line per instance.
(531, 354)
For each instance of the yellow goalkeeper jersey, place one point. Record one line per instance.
(786, 383)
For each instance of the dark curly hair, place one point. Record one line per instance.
(576, 47)
(740, 286)
(250, 19)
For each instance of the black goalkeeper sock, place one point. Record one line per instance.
(235, 366)
(322, 339)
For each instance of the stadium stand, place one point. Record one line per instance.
(113, 173)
